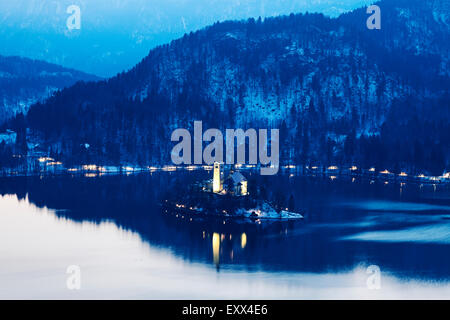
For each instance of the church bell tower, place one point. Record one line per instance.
(217, 178)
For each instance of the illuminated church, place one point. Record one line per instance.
(235, 184)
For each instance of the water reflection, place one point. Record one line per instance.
(113, 227)
(216, 247)
(243, 240)
(226, 244)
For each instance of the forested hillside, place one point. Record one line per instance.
(24, 82)
(339, 92)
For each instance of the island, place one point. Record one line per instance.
(224, 196)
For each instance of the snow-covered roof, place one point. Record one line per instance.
(237, 177)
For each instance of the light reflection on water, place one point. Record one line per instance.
(38, 244)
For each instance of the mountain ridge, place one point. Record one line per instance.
(26, 81)
(332, 86)
(114, 35)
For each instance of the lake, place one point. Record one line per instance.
(359, 239)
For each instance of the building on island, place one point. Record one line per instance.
(217, 177)
(235, 184)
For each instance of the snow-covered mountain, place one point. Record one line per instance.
(338, 91)
(24, 82)
(114, 35)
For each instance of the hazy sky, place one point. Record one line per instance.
(116, 34)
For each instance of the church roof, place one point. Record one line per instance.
(237, 177)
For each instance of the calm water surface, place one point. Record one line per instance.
(112, 228)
